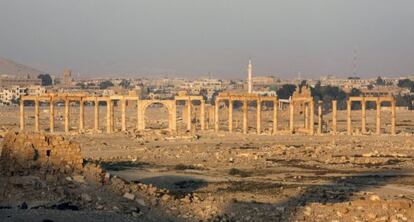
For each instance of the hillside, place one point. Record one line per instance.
(12, 68)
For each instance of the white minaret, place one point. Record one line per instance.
(249, 76)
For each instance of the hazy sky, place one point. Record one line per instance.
(196, 37)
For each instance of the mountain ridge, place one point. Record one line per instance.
(15, 69)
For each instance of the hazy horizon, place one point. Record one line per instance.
(192, 37)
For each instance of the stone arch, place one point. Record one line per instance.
(169, 104)
(156, 116)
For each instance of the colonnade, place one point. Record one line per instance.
(81, 99)
(245, 99)
(142, 105)
(213, 114)
(378, 101)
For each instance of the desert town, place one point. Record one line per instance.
(116, 154)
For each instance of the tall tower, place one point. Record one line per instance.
(67, 77)
(249, 76)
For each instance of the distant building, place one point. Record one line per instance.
(7, 81)
(67, 77)
(266, 93)
(206, 87)
(167, 83)
(11, 94)
(237, 85)
(385, 91)
(263, 81)
(35, 90)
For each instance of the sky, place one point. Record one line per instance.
(192, 38)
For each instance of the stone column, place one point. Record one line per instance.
(81, 115)
(363, 115)
(123, 114)
(306, 121)
(184, 113)
(393, 117)
(245, 116)
(21, 114)
(216, 115)
(291, 117)
(275, 110)
(378, 131)
(312, 116)
(112, 116)
(96, 122)
(230, 115)
(259, 116)
(51, 116)
(348, 117)
(67, 117)
(139, 114)
(202, 115)
(320, 120)
(189, 114)
(210, 116)
(334, 116)
(108, 116)
(37, 115)
(172, 117)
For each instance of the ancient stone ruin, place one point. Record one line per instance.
(23, 152)
(142, 106)
(301, 102)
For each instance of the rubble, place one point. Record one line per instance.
(48, 172)
(129, 196)
(22, 152)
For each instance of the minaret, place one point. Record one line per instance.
(249, 76)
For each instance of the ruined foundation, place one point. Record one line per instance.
(24, 152)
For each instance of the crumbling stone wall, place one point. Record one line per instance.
(23, 152)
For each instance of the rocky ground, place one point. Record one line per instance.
(207, 176)
(268, 178)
